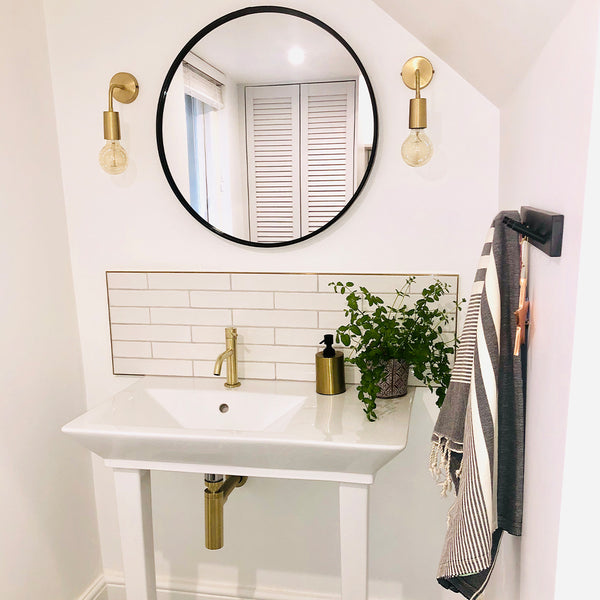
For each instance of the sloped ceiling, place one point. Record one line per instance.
(490, 43)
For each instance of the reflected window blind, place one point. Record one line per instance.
(327, 148)
(300, 153)
(273, 153)
(201, 86)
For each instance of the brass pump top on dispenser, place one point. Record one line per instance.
(330, 369)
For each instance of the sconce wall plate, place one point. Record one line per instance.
(409, 72)
(125, 88)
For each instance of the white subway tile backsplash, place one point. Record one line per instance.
(127, 281)
(191, 316)
(129, 314)
(171, 333)
(208, 333)
(174, 323)
(275, 318)
(330, 321)
(152, 366)
(148, 298)
(232, 299)
(132, 349)
(256, 335)
(298, 337)
(294, 372)
(290, 282)
(185, 350)
(309, 301)
(290, 354)
(189, 281)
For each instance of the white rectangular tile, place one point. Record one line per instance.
(152, 366)
(309, 301)
(330, 321)
(291, 282)
(293, 354)
(132, 349)
(208, 299)
(129, 314)
(295, 372)
(191, 316)
(167, 333)
(189, 281)
(208, 334)
(127, 281)
(256, 335)
(298, 336)
(275, 318)
(148, 298)
(187, 351)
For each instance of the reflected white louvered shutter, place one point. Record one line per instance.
(273, 147)
(327, 148)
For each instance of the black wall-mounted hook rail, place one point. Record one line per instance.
(524, 230)
(542, 228)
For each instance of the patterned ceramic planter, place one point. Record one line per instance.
(395, 380)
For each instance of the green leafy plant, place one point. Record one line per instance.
(412, 332)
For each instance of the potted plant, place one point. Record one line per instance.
(388, 339)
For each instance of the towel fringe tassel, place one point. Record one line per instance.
(439, 466)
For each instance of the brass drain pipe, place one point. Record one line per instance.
(215, 495)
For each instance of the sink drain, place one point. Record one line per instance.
(224, 408)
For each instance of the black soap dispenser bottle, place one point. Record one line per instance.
(330, 369)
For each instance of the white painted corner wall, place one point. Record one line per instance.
(544, 158)
(429, 220)
(49, 545)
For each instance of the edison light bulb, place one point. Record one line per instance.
(417, 149)
(113, 158)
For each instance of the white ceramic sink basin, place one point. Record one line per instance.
(195, 424)
(225, 409)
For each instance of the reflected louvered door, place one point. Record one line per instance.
(273, 154)
(327, 148)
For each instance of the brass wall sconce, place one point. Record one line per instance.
(124, 88)
(417, 149)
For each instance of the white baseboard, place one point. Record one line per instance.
(185, 589)
(96, 590)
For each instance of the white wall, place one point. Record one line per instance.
(48, 542)
(433, 219)
(579, 527)
(544, 146)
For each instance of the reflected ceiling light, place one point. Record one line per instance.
(296, 55)
(124, 88)
(417, 149)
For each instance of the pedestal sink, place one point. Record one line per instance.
(277, 429)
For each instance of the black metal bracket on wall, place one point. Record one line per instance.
(543, 229)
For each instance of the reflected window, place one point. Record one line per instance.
(203, 102)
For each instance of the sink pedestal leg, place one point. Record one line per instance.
(135, 522)
(354, 536)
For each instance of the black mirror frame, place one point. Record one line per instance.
(169, 78)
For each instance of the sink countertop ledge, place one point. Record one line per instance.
(263, 428)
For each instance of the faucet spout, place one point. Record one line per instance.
(230, 355)
(220, 359)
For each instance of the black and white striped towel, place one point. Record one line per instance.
(478, 439)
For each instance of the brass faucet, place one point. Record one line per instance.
(230, 355)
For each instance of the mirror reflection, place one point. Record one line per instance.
(268, 128)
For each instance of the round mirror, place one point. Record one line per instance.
(266, 126)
